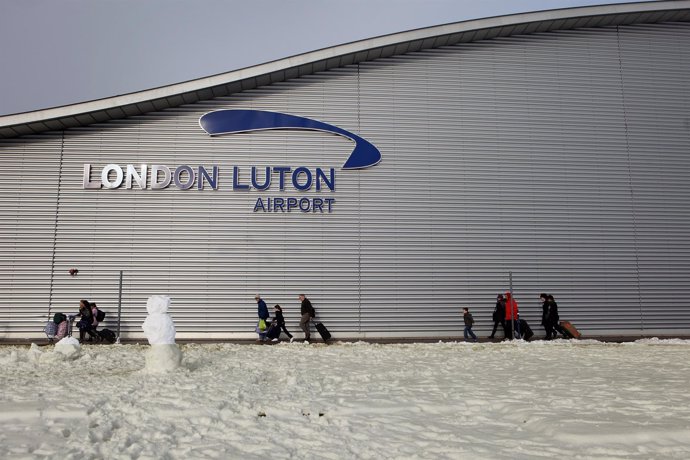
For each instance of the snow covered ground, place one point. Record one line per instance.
(575, 399)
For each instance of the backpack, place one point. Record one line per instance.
(100, 315)
(312, 313)
(108, 335)
(59, 317)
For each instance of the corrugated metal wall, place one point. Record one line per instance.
(658, 125)
(28, 205)
(562, 157)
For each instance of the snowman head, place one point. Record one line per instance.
(157, 304)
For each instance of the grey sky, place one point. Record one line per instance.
(59, 52)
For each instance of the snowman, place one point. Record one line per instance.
(159, 329)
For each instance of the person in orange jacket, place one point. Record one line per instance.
(511, 322)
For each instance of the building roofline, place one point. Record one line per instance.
(136, 103)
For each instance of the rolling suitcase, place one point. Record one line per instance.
(525, 330)
(570, 330)
(323, 332)
(273, 331)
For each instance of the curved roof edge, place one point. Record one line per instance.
(140, 102)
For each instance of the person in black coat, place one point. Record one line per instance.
(279, 320)
(307, 312)
(499, 314)
(85, 324)
(545, 316)
(554, 319)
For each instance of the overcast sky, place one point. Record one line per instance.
(60, 52)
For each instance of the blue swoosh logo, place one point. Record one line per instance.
(364, 155)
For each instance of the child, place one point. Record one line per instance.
(469, 321)
(279, 323)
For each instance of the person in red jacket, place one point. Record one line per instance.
(511, 316)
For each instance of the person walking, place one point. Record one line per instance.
(546, 316)
(499, 314)
(554, 319)
(511, 317)
(280, 321)
(307, 312)
(469, 321)
(262, 311)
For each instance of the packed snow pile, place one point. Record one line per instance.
(581, 399)
(163, 358)
(69, 347)
(159, 329)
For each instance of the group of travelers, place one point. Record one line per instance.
(549, 317)
(60, 326)
(506, 315)
(270, 329)
(88, 324)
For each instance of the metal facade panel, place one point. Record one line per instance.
(558, 156)
(28, 203)
(509, 156)
(655, 63)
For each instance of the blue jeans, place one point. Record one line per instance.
(468, 330)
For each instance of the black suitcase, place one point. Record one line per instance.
(525, 330)
(323, 332)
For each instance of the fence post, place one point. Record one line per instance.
(119, 309)
(512, 313)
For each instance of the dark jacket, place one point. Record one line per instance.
(545, 312)
(86, 312)
(553, 312)
(86, 321)
(280, 319)
(469, 321)
(306, 308)
(263, 309)
(499, 311)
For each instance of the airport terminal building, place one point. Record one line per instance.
(393, 181)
